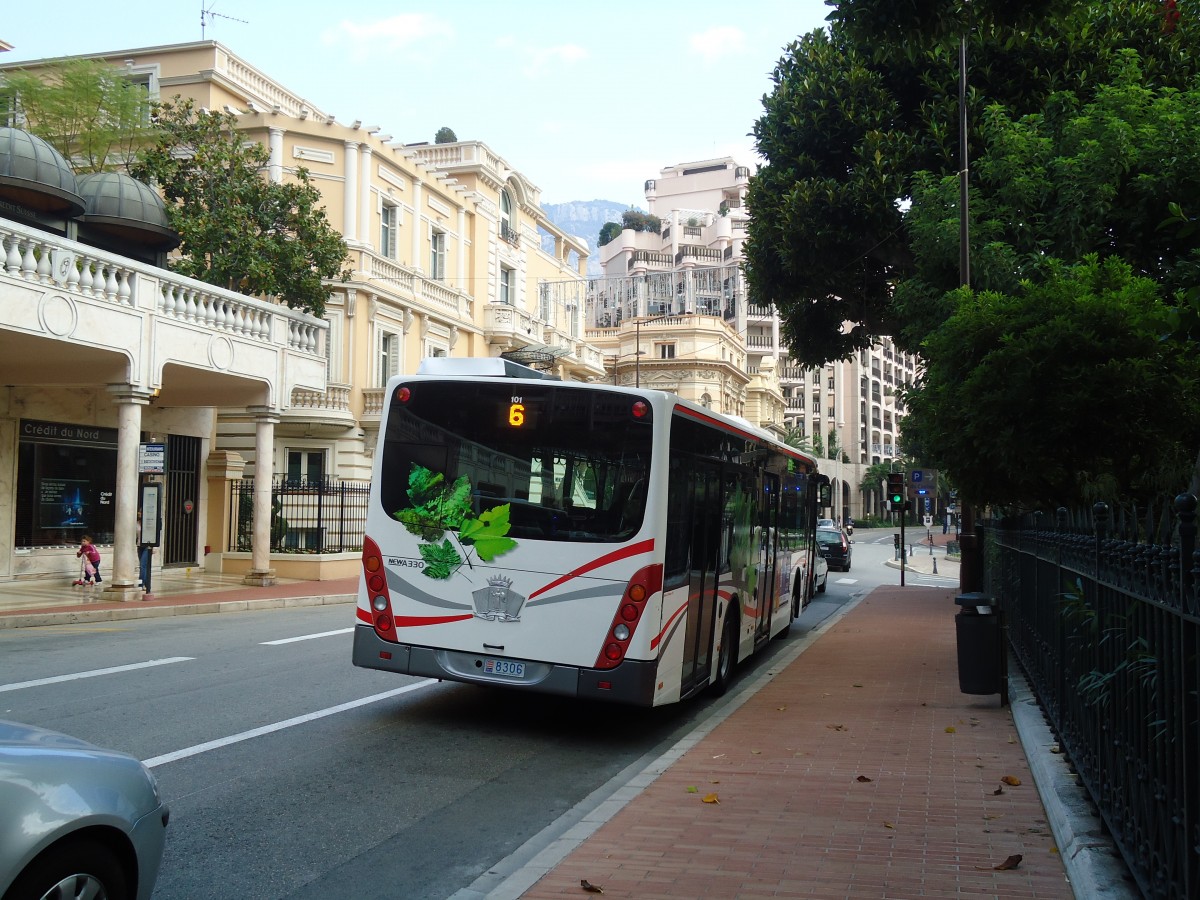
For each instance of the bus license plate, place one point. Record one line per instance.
(505, 667)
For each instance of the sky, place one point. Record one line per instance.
(587, 100)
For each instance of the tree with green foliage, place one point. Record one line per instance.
(240, 231)
(86, 109)
(445, 135)
(859, 110)
(1082, 142)
(1062, 391)
(640, 221)
(608, 231)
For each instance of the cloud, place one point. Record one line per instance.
(719, 41)
(538, 59)
(396, 33)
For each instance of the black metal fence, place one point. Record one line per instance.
(325, 515)
(1104, 615)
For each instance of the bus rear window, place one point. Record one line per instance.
(572, 465)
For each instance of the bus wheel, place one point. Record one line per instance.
(725, 658)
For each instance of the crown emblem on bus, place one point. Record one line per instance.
(498, 602)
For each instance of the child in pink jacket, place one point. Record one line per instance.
(91, 566)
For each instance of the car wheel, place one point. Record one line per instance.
(72, 870)
(725, 658)
(824, 583)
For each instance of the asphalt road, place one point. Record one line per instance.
(291, 774)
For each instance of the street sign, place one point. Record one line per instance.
(917, 475)
(151, 458)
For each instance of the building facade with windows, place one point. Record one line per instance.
(660, 285)
(670, 309)
(450, 254)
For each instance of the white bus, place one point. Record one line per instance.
(575, 538)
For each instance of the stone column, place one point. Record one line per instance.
(275, 161)
(460, 267)
(364, 207)
(123, 567)
(417, 225)
(261, 572)
(350, 194)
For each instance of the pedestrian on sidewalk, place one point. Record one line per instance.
(91, 556)
(145, 552)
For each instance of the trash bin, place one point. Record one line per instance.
(980, 645)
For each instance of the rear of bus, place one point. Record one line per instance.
(507, 537)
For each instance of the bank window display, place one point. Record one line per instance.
(66, 484)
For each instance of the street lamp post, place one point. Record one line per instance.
(637, 337)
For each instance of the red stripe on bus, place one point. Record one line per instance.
(675, 615)
(414, 621)
(365, 617)
(624, 553)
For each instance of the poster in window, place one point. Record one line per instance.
(63, 503)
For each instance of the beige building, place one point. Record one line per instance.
(450, 255)
(672, 311)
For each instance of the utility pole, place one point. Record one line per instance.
(970, 573)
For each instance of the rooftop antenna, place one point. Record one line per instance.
(206, 15)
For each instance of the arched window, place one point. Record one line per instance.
(508, 230)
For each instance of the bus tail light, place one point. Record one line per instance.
(375, 580)
(644, 584)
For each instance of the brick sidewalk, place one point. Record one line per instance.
(859, 771)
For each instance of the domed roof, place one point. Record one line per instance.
(35, 175)
(123, 205)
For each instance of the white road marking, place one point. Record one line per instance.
(846, 581)
(197, 749)
(94, 673)
(307, 637)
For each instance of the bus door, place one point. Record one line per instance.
(766, 530)
(704, 488)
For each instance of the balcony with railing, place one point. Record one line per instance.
(60, 296)
(649, 259)
(324, 412)
(404, 283)
(373, 404)
(509, 235)
(690, 253)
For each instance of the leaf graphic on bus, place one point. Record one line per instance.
(441, 560)
(486, 534)
(435, 507)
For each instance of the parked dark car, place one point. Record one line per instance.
(75, 820)
(835, 547)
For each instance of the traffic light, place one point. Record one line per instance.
(895, 490)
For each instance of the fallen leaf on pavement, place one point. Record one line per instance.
(781, 708)
(711, 798)
(949, 729)
(692, 789)
(1011, 863)
(888, 825)
(836, 727)
(863, 778)
(1011, 779)
(589, 887)
(998, 791)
